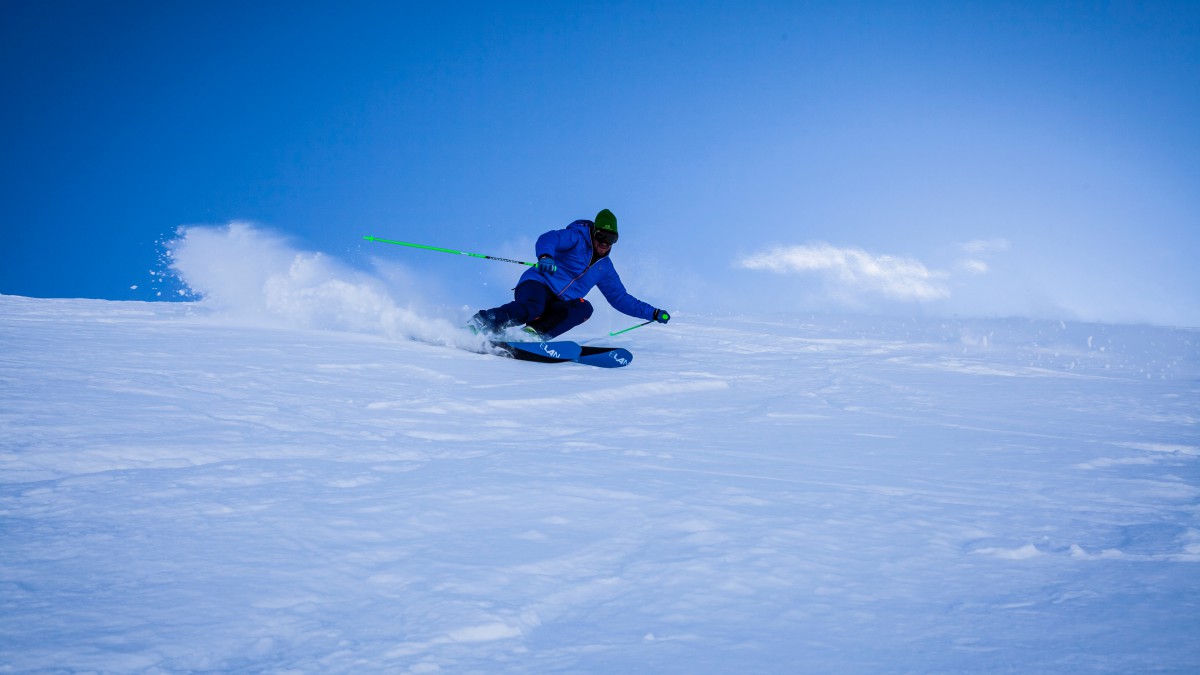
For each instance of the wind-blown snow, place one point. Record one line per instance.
(250, 275)
(184, 489)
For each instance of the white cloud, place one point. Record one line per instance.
(984, 246)
(972, 266)
(855, 270)
(978, 252)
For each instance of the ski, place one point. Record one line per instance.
(605, 357)
(562, 351)
(541, 352)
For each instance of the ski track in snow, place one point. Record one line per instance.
(831, 494)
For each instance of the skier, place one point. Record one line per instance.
(549, 298)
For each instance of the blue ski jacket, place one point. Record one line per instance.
(572, 251)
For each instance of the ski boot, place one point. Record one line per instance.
(535, 334)
(486, 323)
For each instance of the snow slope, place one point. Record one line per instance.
(184, 492)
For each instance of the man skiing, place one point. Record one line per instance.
(549, 298)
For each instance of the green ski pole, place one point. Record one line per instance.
(632, 327)
(449, 250)
(664, 316)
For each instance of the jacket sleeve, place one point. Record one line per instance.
(554, 241)
(616, 295)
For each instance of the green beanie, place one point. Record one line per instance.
(605, 220)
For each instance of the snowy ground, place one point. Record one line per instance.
(180, 492)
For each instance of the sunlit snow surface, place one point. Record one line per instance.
(180, 492)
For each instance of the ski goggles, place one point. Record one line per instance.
(605, 237)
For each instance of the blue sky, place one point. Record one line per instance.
(925, 157)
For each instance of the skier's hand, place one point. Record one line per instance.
(546, 265)
(662, 315)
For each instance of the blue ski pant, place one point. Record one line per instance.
(536, 306)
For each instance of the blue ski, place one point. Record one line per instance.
(542, 352)
(561, 351)
(605, 357)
